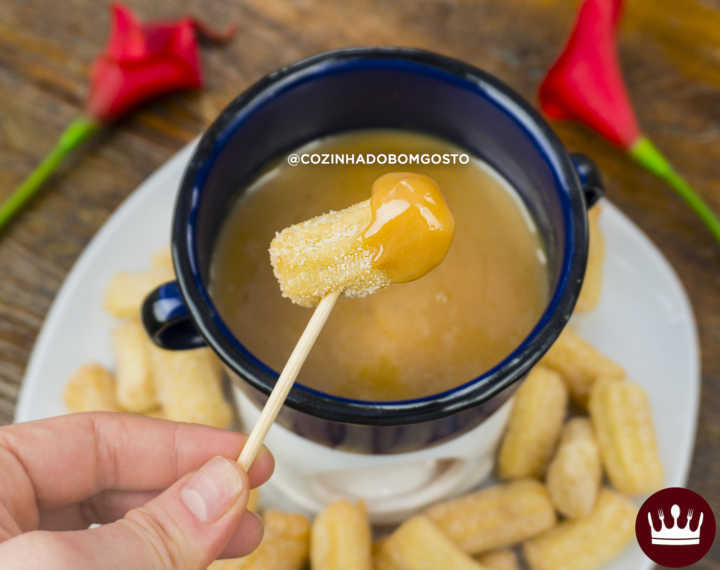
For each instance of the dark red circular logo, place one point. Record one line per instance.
(675, 527)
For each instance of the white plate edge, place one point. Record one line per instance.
(674, 279)
(42, 343)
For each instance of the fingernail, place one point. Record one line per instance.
(212, 490)
(264, 451)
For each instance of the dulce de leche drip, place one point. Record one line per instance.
(399, 234)
(411, 227)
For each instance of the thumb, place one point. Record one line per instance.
(186, 527)
(189, 525)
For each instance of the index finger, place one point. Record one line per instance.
(70, 458)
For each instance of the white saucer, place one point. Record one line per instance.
(644, 320)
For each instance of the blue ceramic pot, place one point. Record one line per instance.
(359, 89)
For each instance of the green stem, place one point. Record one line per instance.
(647, 154)
(77, 132)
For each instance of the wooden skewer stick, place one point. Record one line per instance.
(286, 380)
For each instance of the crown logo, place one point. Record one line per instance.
(674, 535)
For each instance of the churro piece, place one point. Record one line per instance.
(588, 542)
(156, 413)
(499, 560)
(592, 284)
(127, 290)
(418, 544)
(325, 254)
(574, 474)
(377, 548)
(621, 416)
(495, 517)
(535, 424)
(285, 545)
(401, 233)
(91, 388)
(579, 364)
(253, 500)
(134, 383)
(341, 538)
(189, 387)
(163, 258)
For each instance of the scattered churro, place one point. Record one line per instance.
(586, 543)
(574, 474)
(580, 364)
(91, 389)
(535, 423)
(621, 416)
(341, 538)
(495, 517)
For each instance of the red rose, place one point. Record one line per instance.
(585, 82)
(142, 61)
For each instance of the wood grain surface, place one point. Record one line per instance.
(670, 53)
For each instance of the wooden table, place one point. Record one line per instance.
(670, 52)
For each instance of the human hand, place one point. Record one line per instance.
(167, 495)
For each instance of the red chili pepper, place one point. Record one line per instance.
(585, 84)
(140, 62)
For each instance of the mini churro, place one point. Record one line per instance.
(189, 387)
(588, 542)
(418, 544)
(621, 416)
(398, 235)
(91, 389)
(535, 423)
(341, 538)
(580, 364)
(133, 371)
(574, 474)
(285, 545)
(499, 560)
(127, 290)
(592, 283)
(495, 517)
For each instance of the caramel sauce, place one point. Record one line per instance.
(423, 337)
(411, 227)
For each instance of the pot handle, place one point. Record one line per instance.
(590, 178)
(167, 320)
